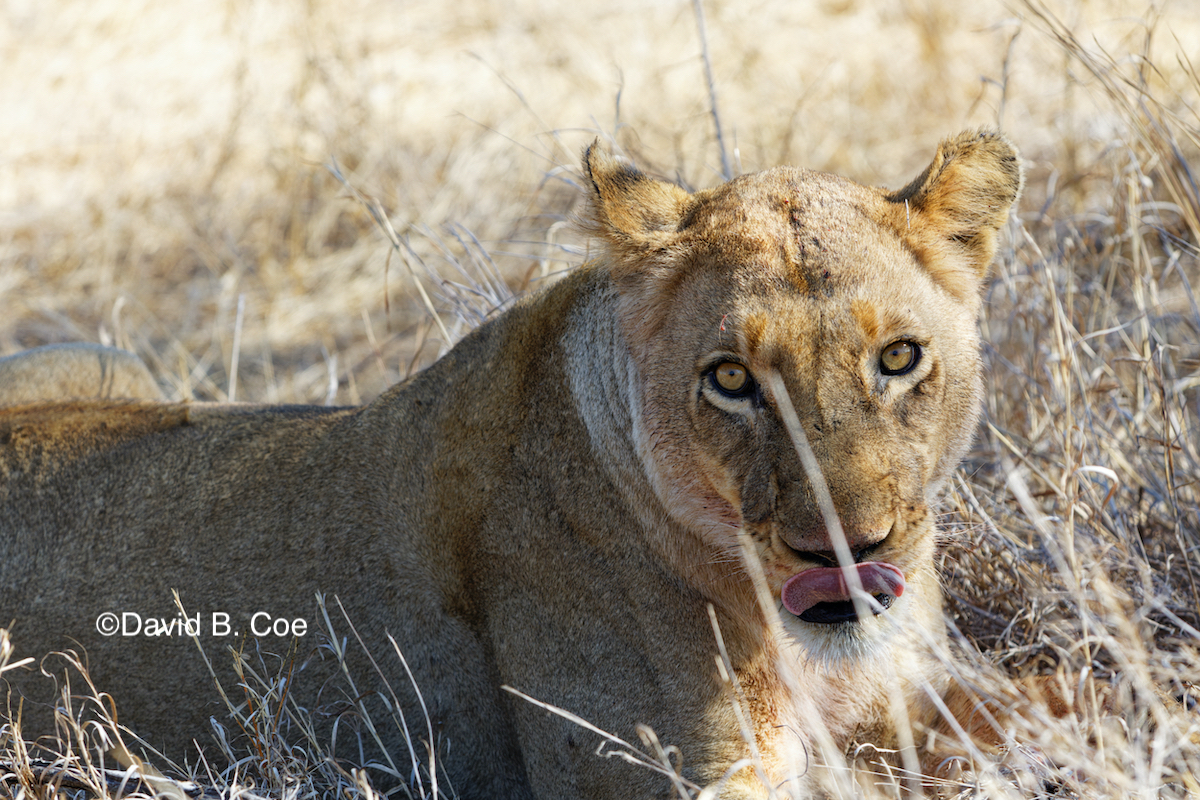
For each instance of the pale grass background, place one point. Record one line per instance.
(161, 159)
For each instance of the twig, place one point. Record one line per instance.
(237, 347)
(698, 5)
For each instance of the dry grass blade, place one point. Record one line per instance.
(625, 751)
(698, 8)
(398, 246)
(812, 469)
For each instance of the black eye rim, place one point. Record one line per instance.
(747, 390)
(917, 353)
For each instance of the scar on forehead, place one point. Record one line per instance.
(867, 316)
(876, 322)
(754, 329)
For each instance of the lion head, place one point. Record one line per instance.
(806, 367)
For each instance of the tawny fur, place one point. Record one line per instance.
(76, 370)
(555, 504)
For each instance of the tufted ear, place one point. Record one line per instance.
(629, 209)
(951, 214)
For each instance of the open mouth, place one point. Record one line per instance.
(823, 595)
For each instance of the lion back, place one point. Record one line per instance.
(76, 370)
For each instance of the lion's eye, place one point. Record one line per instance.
(899, 357)
(732, 379)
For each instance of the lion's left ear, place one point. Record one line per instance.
(633, 212)
(951, 214)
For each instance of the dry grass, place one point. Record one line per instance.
(165, 167)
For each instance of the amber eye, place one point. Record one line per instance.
(899, 357)
(732, 379)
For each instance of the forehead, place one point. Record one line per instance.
(792, 249)
(803, 232)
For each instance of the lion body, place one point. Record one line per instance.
(558, 502)
(75, 370)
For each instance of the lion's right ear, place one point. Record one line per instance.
(951, 215)
(633, 212)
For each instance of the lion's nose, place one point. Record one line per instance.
(829, 558)
(820, 547)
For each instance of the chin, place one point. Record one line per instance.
(834, 644)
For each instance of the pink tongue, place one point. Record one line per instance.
(828, 585)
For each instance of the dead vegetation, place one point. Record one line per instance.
(195, 215)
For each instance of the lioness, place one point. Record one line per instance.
(749, 387)
(79, 369)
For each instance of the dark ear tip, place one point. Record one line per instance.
(993, 159)
(1008, 161)
(626, 203)
(994, 144)
(589, 152)
(981, 137)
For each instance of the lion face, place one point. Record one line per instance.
(791, 291)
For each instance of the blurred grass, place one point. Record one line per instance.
(164, 161)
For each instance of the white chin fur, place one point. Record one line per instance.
(834, 643)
